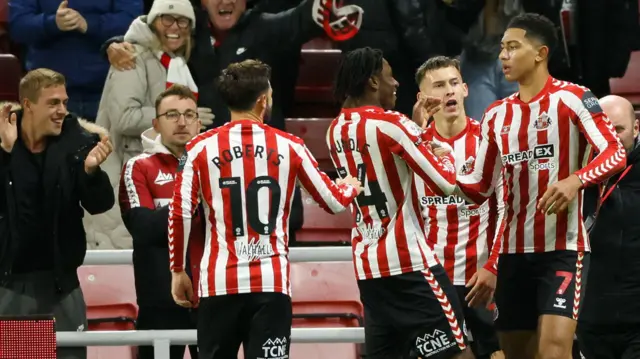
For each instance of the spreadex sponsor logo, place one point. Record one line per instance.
(534, 157)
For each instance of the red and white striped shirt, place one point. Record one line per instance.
(383, 150)
(464, 236)
(245, 172)
(539, 143)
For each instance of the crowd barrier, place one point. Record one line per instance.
(162, 339)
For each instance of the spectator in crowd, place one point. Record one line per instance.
(610, 318)
(146, 187)
(66, 37)
(227, 32)
(50, 168)
(400, 30)
(162, 45)
(481, 68)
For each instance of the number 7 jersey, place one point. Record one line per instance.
(383, 150)
(244, 173)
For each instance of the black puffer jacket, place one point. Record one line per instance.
(613, 281)
(67, 188)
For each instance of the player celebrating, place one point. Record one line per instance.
(410, 305)
(245, 173)
(540, 137)
(460, 233)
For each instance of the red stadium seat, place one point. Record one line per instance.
(320, 226)
(313, 96)
(110, 295)
(313, 131)
(629, 86)
(9, 77)
(319, 43)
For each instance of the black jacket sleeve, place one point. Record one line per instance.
(148, 227)
(105, 46)
(290, 28)
(96, 192)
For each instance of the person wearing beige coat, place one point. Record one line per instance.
(162, 42)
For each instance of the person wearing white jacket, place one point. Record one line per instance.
(163, 42)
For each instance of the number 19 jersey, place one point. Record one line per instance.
(383, 150)
(244, 174)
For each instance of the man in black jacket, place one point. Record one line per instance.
(609, 325)
(49, 167)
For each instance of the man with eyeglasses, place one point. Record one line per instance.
(146, 187)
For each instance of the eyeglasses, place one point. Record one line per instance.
(168, 20)
(174, 116)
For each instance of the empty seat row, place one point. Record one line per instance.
(324, 295)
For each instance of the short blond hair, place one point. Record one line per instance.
(35, 80)
(436, 63)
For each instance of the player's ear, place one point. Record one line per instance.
(156, 123)
(374, 82)
(418, 96)
(543, 53)
(465, 90)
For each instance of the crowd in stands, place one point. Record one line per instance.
(119, 56)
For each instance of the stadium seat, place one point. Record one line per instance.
(9, 77)
(313, 131)
(319, 43)
(320, 226)
(313, 95)
(629, 85)
(110, 295)
(325, 295)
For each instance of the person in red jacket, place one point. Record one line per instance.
(146, 188)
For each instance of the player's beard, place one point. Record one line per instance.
(267, 114)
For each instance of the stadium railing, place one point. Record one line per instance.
(162, 339)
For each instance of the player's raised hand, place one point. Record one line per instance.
(350, 180)
(559, 195)
(8, 128)
(424, 108)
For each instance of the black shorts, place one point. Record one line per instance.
(619, 341)
(479, 321)
(412, 315)
(261, 322)
(533, 284)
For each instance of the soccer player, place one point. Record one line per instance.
(464, 236)
(541, 137)
(245, 173)
(410, 306)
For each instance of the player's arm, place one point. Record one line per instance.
(599, 132)
(500, 195)
(478, 186)
(183, 205)
(332, 197)
(403, 138)
(146, 223)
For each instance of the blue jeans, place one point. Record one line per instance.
(486, 84)
(84, 108)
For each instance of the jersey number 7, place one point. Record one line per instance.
(375, 198)
(234, 184)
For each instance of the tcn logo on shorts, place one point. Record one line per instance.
(431, 344)
(275, 349)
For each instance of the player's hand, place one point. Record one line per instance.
(8, 128)
(98, 155)
(122, 56)
(558, 195)
(350, 180)
(182, 289)
(483, 285)
(424, 108)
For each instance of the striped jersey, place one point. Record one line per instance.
(464, 236)
(383, 150)
(537, 144)
(244, 174)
